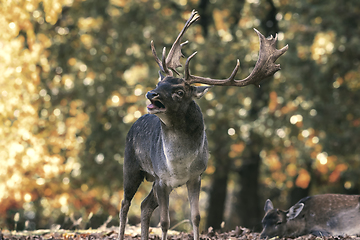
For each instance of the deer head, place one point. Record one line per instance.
(276, 221)
(172, 97)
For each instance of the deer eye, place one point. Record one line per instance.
(278, 223)
(180, 93)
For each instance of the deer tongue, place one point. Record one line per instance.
(151, 106)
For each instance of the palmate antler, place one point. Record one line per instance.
(264, 67)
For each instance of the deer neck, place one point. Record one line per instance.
(187, 122)
(184, 133)
(184, 147)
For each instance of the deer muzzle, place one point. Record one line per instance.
(155, 106)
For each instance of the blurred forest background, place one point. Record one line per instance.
(73, 75)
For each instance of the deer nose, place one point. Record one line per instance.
(150, 95)
(263, 234)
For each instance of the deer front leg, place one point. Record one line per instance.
(125, 204)
(147, 207)
(162, 194)
(193, 187)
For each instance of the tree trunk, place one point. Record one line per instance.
(218, 189)
(222, 162)
(250, 208)
(249, 201)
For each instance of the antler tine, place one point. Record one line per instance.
(173, 58)
(163, 59)
(156, 57)
(264, 67)
(187, 71)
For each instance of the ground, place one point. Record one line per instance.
(132, 233)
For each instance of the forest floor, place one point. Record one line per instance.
(133, 233)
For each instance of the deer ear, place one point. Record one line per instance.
(268, 205)
(294, 211)
(199, 91)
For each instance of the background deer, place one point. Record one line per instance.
(320, 215)
(168, 146)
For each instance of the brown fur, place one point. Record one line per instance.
(320, 215)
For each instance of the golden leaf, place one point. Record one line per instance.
(303, 179)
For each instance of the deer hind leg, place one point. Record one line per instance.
(193, 187)
(132, 181)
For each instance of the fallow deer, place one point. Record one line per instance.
(168, 146)
(320, 215)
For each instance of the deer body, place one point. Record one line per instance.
(163, 154)
(320, 215)
(168, 146)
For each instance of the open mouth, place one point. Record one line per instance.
(156, 106)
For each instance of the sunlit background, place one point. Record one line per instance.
(73, 79)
